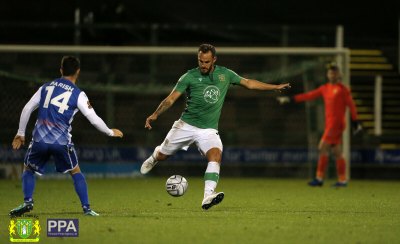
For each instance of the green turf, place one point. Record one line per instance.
(253, 211)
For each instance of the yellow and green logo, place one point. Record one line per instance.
(24, 229)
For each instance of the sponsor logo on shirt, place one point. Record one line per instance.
(211, 94)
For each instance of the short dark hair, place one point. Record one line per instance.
(69, 65)
(332, 66)
(204, 48)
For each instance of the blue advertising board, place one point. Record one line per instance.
(259, 155)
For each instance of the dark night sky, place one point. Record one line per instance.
(364, 18)
(237, 11)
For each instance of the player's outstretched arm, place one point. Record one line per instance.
(258, 85)
(88, 111)
(164, 106)
(97, 122)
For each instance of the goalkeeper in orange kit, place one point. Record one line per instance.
(337, 98)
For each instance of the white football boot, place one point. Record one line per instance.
(212, 200)
(150, 162)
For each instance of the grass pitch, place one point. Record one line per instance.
(253, 211)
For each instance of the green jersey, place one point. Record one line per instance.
(205, 95)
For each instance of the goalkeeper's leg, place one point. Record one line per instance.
(340, 166)
(322, 164)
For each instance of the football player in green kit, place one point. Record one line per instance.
(206, 87)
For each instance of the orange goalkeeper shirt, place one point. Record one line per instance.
(336, 98)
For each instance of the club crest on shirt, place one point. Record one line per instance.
(211, 94)
(221, 77)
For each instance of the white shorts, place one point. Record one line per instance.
(182, 135)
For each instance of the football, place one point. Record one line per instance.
(176, 185)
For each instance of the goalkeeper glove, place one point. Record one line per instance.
(357, 127)
(284, 100)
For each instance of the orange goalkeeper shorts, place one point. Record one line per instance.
(332, 136)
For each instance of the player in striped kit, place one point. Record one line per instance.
(57, 102)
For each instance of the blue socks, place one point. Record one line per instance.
(81, 189)
(28, 185)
